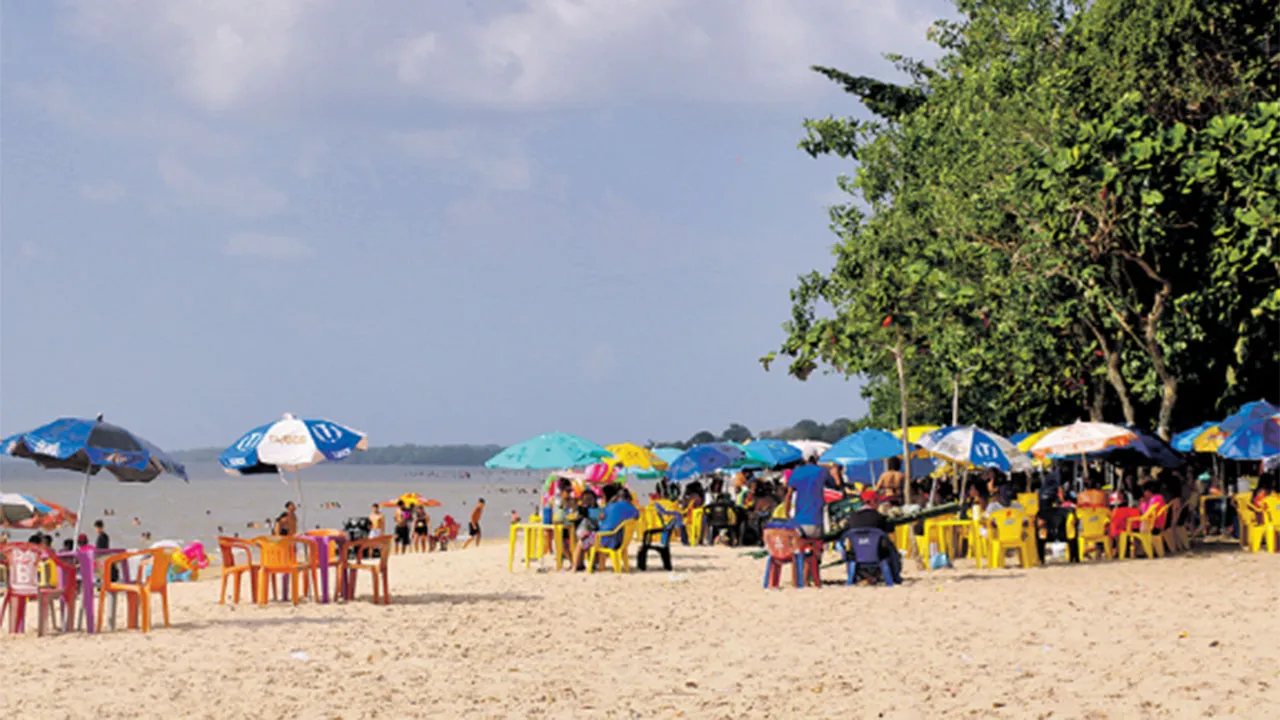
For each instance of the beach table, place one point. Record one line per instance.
(532, 533)
(86, 559)
(328, 546)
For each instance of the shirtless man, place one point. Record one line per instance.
(473, 530)
(377, 522)
(287, 523)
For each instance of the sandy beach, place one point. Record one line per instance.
(1187, 636)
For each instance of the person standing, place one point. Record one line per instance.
(805, 488)
(377, 522)
(473, 529)
(287, 523)
(402, 528)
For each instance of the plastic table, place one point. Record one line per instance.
(86, 558)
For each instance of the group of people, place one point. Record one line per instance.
(592, 518)
(412, 530)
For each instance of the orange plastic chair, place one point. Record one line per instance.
(280, 556)
(1145, 532)
(153, 579)
(233, 567)
(351, 564)
(1093, 531)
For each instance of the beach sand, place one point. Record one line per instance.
(1188, 636)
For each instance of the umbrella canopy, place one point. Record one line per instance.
(89, 446)
(1082, 438)
(703, 459)
(410, 499)
(668, 454)
(1248, 413)
(915, 432)
(32, 513)
(1147, 450)
(1255, 440)
(978, 447)
(291, 443)
(750, 458)
(810, 448)
(548, 452)
(862, 447)
(775, 452)
(1185, 440)
(632, 456)
(1029, 440)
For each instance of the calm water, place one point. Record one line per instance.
(172, 509)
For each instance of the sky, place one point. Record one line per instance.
(437, 222)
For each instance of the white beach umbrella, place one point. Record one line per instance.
(1082, 438)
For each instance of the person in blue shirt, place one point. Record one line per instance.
(617, 510)
(805, 489)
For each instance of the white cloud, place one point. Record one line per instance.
(529, 53)
(105, 192)
(239, 195)
(496, 162)
(267, 247)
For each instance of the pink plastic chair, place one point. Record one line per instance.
(23, 561)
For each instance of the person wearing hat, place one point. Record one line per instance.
(869, 516)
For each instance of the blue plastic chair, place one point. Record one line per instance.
(861, 549)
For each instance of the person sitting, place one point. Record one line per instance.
(869, 516)
(448, 530)
(618, 509)
(1093, 496)
(1006, 497)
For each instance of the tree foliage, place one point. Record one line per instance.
(1073, 212)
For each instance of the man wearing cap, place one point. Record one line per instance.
(869, 517)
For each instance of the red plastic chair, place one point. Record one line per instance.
(23, 561)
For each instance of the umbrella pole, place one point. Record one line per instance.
(84, 492)
(302, 503)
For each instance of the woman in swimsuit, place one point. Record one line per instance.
(421, 529)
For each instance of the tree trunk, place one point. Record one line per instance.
(1112, 353)
(1098, 403)
(955, 399)
(902, 395)
(1168, 383)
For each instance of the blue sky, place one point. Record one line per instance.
(440, 222)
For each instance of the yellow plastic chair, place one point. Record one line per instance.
(1030, 503)
(693, 522)
(1094, 524)
(621, 561)
(1010, 530)
(1253, 529)
(1271, 529)
(1142, 532)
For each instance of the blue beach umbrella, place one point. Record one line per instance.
(668, 454)
(90, 446)
(703, 459)
(1147, 450)
(291, 443)
(862, 447)
(978, 447)
(550, 451)
(1249, 412)
(1255, 440)
(776, 452)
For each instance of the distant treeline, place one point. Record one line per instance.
(452, 455)
(803, 430)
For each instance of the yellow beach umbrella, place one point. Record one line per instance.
(1025, 444)
(1209, 440)
(633, 456)
(915, 431)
